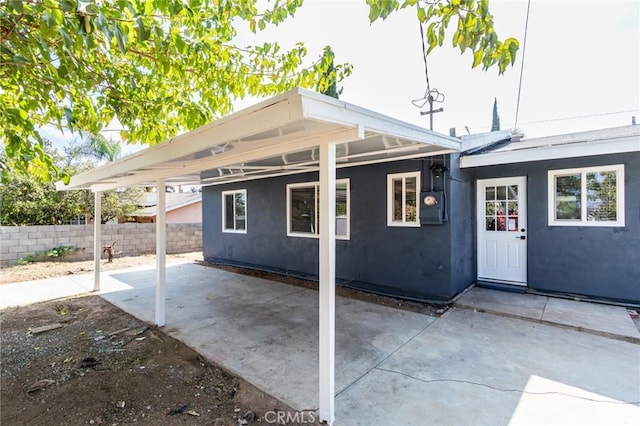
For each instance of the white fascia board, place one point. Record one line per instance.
(329, 110)
(274, 113)
(552, 152)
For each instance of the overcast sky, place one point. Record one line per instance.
(582, 59)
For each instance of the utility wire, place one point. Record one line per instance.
(424, 56)
(524, 47)
(580, 116)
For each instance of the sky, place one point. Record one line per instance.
(581, 59)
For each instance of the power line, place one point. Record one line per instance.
(430, 95)
(524, 47)
(580, 116)
(424, 56)
(576, 117)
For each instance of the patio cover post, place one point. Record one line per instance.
(161, 249)
(97, 239)
(327, 275)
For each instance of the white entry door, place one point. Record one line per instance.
(502, 226)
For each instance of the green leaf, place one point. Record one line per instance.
(422, 16)
(477, 58)
(68, 5)
(120, 39)
(16, 5)
(143, 31)
(65, 37)
(68, 114)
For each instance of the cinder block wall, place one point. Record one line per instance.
(133, 239)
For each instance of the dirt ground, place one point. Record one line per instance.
(40, 270)
(103, 366)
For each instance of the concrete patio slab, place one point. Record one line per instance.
(392, 366)
(482, 369)
(26, 293)
(517, 304)
(609, 320)
(265, 331)
(591, 316)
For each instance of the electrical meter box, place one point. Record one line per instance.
(431, 209)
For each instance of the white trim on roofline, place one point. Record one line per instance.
(581, 149)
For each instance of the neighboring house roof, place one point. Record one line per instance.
(594, 142)
(174, 200)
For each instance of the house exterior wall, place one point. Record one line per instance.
(602, 262)
(191, 213)
(415, 262)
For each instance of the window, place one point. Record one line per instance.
(78, 220)
(234, 211)
(303, 213)
(402, 199)
(591, 196)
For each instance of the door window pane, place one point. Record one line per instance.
(501, 192)
(490, 193)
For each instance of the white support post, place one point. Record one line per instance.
(327, 294)
(161, 250)
(97, 239)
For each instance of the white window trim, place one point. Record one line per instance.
(224, 212)
(551, 195)
(316, 186)
(390, 179)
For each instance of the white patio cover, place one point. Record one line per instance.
(295, 132)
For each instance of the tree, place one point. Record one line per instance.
(159, 67)
(94, 147)
(495, 121)
(474, 29)
(115, 204)
(84, 155)
(332, 88)
(27, 200)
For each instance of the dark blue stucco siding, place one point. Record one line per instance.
(410, 262)
(593, 261)
(462, 218)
